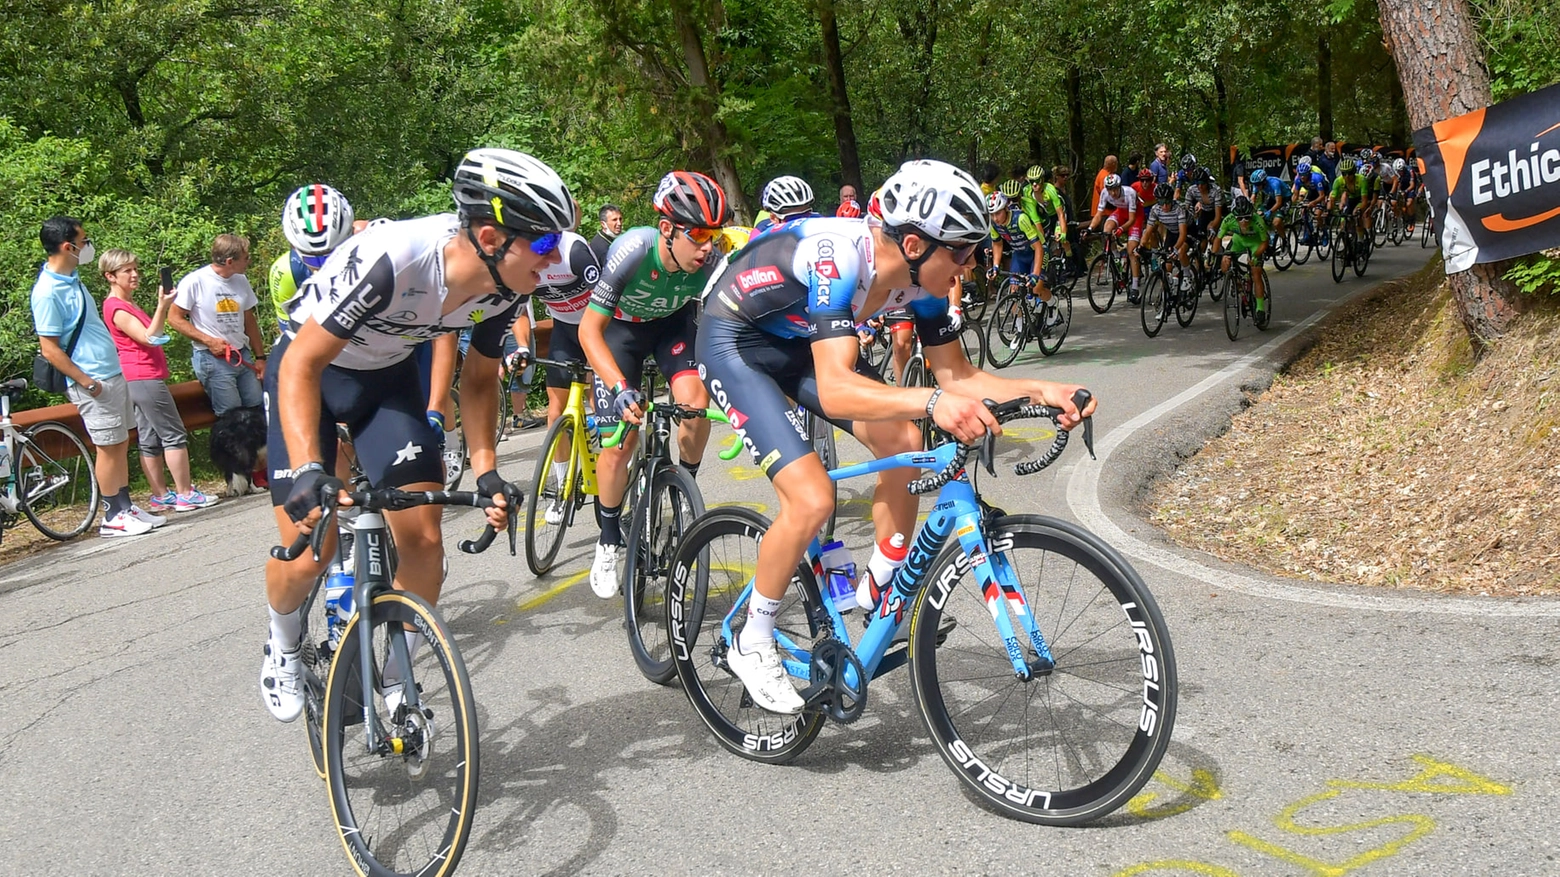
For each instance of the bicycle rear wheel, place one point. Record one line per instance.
(1261, 318)
(1076, 740)
(1302, 250)
(1283, 254)
(710, 575)
(315, 654)
(1051, 337)
(659, 523)
(972, 336)
(1185, 296)
(550, 496)
(55, 484)
(454, 449)
(408, 809)
(822, 432)
(1007, 327)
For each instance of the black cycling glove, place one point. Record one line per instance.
(306, 490)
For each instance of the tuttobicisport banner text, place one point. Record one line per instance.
(1493, 176)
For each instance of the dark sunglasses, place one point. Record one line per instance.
(547, 244)
(961, 253)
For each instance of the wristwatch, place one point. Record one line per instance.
(94, 387)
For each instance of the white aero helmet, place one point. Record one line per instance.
(936, 200)
(1399, 164)
(316, 219)
(515, 190)
(787, 194)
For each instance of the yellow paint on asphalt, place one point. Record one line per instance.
(1203, 786)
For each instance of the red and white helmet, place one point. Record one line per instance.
(316, 219)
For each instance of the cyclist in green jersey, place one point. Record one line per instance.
(1349, 194)
(645, 304)
(1052, 212)
(1243, 231)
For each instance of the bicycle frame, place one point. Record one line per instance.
(957, 513)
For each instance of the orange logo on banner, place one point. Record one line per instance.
(1456, 135)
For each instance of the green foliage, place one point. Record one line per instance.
(1537, 274)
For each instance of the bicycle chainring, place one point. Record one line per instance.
(830, 658)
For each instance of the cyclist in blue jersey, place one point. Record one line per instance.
(780, 324)
(784, 199)
(1270, 195)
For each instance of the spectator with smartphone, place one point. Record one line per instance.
(74, 340)
(214, 308)
(139, 337)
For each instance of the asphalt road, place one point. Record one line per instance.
(1322, 730)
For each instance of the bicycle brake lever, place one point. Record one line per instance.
(516, 501)
(1081, 399)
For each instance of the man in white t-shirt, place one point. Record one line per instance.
(214, 307)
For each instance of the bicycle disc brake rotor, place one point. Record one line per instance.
(842, 703)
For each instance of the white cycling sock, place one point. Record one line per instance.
(286, 629)
(393, 672)
(560, 471)
(760, 628)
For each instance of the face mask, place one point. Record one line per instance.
(86, 255)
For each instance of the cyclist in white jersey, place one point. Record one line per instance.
(346, 358)
(1119, 208)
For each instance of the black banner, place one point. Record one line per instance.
(1279, 159)
(1493, 176)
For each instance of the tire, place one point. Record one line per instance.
(1362, 257)
(403, 813)
(542, 540)
(658, 526)
(1426, 232)
(1072, 743)
(1101, 283)
(1283, 253)
(455, 456)
(876, 352)
(975, 300)
(972, 335)
(1231, 306)
(315, 656)
(1302, 251)
(1380, 229)
(1212, 278)
(1187, 300)
(1322, 239)
(506, 411)
(1051, 339)
(1261, 319)
(55, 484)
(1007, 328)
(1152, 305)
(1339, 263)
(822, 432)
(709, 575)
(917, 375)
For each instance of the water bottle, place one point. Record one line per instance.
(338, 603)
(592, 433)
(840, 575)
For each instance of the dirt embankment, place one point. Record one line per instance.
(1386, 456)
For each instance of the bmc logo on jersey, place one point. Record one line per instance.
(827, 268)
(756, 277)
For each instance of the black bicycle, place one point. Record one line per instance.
(1109, 273)
(404, 798)
(1019, 315)
(1170, 287)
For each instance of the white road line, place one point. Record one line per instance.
(1084, 500)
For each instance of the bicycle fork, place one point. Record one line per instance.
(372, 574)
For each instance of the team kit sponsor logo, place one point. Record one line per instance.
(1493, 177)
(753, 278)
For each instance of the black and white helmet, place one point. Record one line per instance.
(786, 195)
(935, 199)
(316, 219)
(513, 189)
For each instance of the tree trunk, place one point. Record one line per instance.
(1324, 103)
(921, 27)
(1081, 187)
(706, 97)
(1221, 119)
(844, 127)
(1398, 132)
(1436, 49)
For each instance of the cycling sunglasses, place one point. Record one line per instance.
(547, 244)
(314, 263)
(962, 253)
(700, 236)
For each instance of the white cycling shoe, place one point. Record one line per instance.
(279, 684)
(765, 678)
(604, 571)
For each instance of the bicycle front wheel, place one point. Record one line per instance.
(1101, 283)
(1082, 734)
(659, 523)
(1051, 337)
(552, 500)
(1231, 306)
(1184, 289)
(55, 485)
(1152, 307)
(406, 807)
(710, 575)
(1007, 327)
(822, 432)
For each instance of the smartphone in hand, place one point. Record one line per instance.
(165, 281)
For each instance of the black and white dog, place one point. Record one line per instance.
(238, 448)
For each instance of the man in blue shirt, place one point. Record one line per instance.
(65, 316)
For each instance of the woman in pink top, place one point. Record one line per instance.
(159, 429)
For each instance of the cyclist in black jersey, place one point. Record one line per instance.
(346, 358)
(779, 325)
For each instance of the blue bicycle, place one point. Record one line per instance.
(1057, 713)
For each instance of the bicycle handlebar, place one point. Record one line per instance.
(391, 499)
(1015, 409)
(675, 411)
